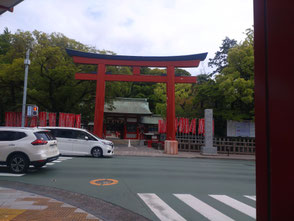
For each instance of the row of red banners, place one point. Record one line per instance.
(13, 119)
(183, 125)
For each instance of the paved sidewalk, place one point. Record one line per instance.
(16, 205)
(27, 202)
(136, 150)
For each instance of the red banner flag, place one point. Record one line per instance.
(26, 122)
(78, 120)
(194, 126)
(52, 119)
(61, 120)
(191, 126)
(201, 126)
(18, 119)
(43, 119)
(159, 127)
(69, 120)
(8, 119)
(181, 126)
(164, 127)
(176, 125)
(186, 125)
(34, 121)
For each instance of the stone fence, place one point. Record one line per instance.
(227, 145)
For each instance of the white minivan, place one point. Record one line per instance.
(76, 141)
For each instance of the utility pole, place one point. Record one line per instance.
(24, 100)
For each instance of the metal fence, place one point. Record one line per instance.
(227, 145)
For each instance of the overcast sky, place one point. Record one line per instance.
(138, 27)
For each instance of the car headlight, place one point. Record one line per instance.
(107, 143)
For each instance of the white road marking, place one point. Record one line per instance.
(64, 158)
(11, 174)
(242, 207)
(203, 208)
(56, 161)
(50, 164)
(251, 197)
(163, 211)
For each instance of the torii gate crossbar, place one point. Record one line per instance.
(136, 62)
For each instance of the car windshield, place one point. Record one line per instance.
(94, 135)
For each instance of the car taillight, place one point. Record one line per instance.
(39, 142)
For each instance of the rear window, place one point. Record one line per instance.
(11, 135)
(44, 135)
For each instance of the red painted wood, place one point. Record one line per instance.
(280, 21)
(137, 78)
(274, 108)
(171, 113)
(262, 188)
(82, 60)
(85, 76)
(136, 70)
(132, 78)
(99, 105)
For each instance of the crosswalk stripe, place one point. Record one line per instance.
(251, 197)
(242, 207)
(163, 211)
(203, 208)
(56, 161)
(50, 164)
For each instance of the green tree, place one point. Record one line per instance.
(220, 59)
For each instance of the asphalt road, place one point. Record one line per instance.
(158, 188)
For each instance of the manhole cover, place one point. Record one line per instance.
(103, 182)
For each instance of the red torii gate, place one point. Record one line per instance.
(136, 62)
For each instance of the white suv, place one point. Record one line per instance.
(20, 147)
(76, 141)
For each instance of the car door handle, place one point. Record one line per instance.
(11, 145)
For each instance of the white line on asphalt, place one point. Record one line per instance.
(251, 197)
(203, 208)
(11, 174)
(242, 207)
(50, 164)
(64, 158)
(160, 208)
(56, 161)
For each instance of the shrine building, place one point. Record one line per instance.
(129, 118)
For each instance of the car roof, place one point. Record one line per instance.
(67, 128)
(33, 129)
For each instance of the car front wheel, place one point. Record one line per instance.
(18, 163)
(97, 152)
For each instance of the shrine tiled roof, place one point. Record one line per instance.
(139, 106)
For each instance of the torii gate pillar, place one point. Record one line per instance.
(100, 98)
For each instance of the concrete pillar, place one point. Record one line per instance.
(209, 149)
(171, 147)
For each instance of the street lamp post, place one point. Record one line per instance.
(27, 63)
